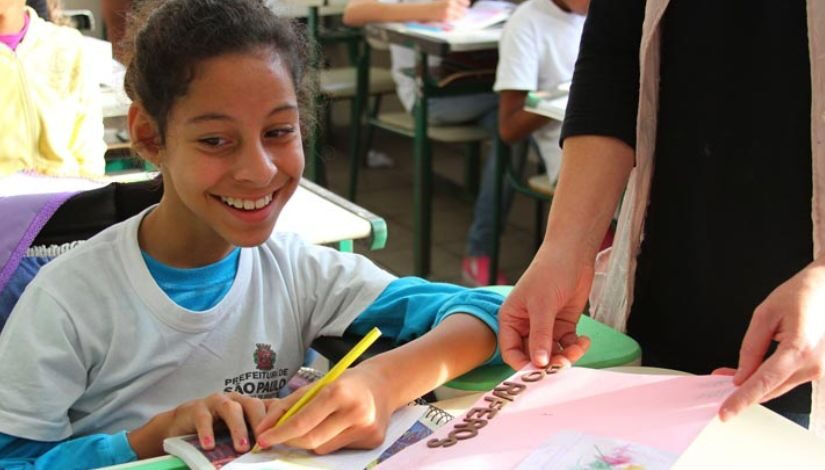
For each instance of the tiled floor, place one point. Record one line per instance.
(388, 193)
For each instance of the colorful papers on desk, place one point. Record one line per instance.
(483, 14)
(574, 419)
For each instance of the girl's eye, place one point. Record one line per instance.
(279, 132)
(213, 141)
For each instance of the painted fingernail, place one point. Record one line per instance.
(243, 443)
(206, 441)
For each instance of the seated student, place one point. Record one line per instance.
(446, 110)
(109, 347)
(537, 51)
(50, 121)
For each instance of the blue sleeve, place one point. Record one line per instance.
(410, 307)
(93, 451)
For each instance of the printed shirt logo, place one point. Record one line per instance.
(264, 356)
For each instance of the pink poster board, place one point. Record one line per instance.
(569, 418)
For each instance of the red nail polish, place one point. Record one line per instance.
(243, 443)
(206, 441)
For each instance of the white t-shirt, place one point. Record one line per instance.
(538, 51)
(94, 344)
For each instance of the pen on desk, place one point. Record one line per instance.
(330, 376)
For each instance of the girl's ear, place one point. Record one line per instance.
(146, 140)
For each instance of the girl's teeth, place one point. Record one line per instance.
(247, 204)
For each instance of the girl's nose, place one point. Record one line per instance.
(255, 164)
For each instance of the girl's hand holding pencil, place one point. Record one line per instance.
(352, 411)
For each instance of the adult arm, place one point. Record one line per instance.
(538, 319)
(793, 316)
(361, 12)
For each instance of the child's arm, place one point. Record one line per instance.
(514, 123)
(93, 451)
(361, 12)
(451, 330)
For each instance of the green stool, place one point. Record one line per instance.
(609, 348)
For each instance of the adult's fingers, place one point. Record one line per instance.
(511, 344)
(541, 337)
(767, 378)
(755, 344)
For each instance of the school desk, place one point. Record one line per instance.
(324, 217)
(551, 104)
(426, 43)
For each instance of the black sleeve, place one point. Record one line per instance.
(41, 7)
(604, 95)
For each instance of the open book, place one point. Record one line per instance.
(482, 14)
(574, 419)
(407, 426)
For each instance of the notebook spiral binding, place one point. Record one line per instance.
(437, 416)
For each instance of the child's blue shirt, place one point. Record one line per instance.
(407, 308)
(196, 289)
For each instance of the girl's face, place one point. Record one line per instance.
(232, 156)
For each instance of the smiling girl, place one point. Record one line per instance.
(108, 349)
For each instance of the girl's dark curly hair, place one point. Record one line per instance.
(166, 39)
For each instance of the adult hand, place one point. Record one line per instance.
(794, 316)
(349, 412)
(199, 416)
(544, 308)
(448, 10)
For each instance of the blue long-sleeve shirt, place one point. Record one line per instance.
(407, 308)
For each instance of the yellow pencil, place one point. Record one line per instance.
(330, 376)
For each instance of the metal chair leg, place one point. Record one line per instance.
(472, 168)
(502, 157)
(422, 192)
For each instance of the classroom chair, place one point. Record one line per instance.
(355, 83)
(433, 83)
(43, 226)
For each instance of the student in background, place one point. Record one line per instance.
(50, 121)
(447, 110)
(110, 343)
(537, 51)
